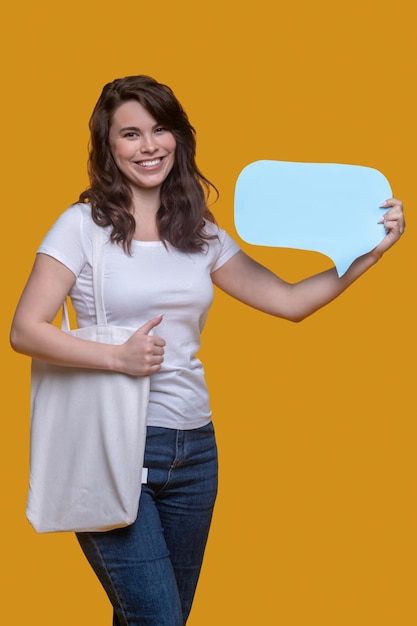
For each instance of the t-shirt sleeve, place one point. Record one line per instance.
(67, 240)
(227, 248)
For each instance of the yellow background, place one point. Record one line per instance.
(316, 516)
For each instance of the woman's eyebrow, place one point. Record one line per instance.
(129, 128)
(136, 128)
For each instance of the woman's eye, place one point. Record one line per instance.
(160, 129)
(130, 135)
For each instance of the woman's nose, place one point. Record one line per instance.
(147, 143)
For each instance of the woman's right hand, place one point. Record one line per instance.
(143, 353)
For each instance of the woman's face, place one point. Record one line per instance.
(143, 150)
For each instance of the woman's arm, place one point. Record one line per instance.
(251, 283)
(33, 333)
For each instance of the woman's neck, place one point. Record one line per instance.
(146, 204)
(146, 201)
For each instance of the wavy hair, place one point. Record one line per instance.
(185, 191)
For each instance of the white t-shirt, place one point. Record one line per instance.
(154, 280)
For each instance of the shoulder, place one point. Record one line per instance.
(221, 247)
(75, 218)
(78, 214)
(214, 231)
(69, 238)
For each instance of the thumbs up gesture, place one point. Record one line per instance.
(143, 353)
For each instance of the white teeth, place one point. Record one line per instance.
(149, 163)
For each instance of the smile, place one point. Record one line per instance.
(152, 163)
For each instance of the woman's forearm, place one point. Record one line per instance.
(46, 342)
(313, 293)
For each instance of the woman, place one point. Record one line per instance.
(163, 256)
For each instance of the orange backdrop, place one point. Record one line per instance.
(315, 523)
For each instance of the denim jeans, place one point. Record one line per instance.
(150, 570)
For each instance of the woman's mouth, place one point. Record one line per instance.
(150, 162)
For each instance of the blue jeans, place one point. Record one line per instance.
(150, 570)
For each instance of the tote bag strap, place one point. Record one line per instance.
(99, 235)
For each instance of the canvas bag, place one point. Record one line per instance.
(87, 437)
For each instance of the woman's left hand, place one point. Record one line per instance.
(394, 224)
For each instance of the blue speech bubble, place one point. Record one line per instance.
(325, 207)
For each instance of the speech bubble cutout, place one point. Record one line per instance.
(325, 207)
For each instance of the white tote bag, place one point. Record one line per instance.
(88, 430)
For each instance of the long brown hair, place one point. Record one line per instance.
(184, 193)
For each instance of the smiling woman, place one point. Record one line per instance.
(143, 151)
(139, 105)
(163, 252)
